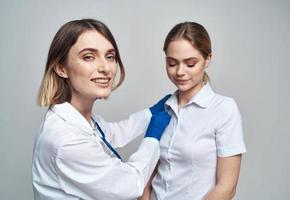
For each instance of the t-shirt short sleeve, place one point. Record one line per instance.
(229, 134)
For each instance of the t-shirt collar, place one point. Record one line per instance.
(202, 98)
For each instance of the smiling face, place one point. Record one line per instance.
(185, 67)
(91, 67)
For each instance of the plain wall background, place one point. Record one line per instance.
(250, 40)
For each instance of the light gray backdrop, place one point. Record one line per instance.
(250, 40)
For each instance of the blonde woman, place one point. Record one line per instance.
(74, 155)
(201, 150)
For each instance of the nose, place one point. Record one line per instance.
(103, 66)
(180, 70)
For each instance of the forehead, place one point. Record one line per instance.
(92, 39)
(182, 48)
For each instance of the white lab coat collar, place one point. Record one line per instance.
(202, 98)
(72, 116)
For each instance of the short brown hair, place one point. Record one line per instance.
(54, 89)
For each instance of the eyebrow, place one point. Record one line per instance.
(96, 50)
(111, 51)
(186, 59)
(191, 58)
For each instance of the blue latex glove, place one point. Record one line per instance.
(159, 106)
(157, 125)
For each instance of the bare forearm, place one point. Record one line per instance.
(220, 192)
(148, 188)
(147, 191)
(145, 195)
(228, 170)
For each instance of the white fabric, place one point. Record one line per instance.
(70, 161)
(209, 126)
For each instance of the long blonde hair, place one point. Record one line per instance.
(54, 89)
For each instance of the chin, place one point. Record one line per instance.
(102, 93)
(183, 88)
(102, 96)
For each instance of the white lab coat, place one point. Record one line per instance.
(70, 161)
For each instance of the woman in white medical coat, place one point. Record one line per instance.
(202, 147)
(74, 155)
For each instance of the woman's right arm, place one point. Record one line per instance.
(147, 190)
(121, 133)
(86, 171)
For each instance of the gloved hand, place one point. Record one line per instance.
(157, 125)
(159, 106)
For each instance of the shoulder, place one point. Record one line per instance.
(226, 109)
(55, 133)
(225, 104)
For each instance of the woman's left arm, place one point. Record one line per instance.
(228, 170)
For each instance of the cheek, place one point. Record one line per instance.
(114, 67)
(171, 75)
(197, 72)
(170, 72)
(77, 68)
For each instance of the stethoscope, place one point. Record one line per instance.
(103, 137)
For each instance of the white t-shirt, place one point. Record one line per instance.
(209, 126)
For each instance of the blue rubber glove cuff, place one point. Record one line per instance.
(159, 106)
(157, 125)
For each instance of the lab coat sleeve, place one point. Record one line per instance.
(86, 171)
(121, 133)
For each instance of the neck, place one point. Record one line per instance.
(185, 96)
(84, 106)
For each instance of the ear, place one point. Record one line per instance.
(61, 71)
(208, 60)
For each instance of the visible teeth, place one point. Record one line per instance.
(101, 80)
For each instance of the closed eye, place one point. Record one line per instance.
(171, 63)
(190, 65)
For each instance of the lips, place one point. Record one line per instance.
(101, 80)
(180, 81)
